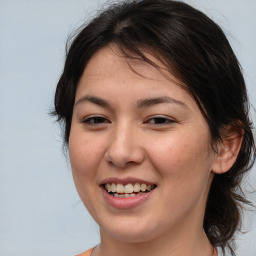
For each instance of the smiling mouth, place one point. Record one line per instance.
(129, 190)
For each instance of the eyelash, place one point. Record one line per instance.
(95, 120)
(99, 120)
(163, 120)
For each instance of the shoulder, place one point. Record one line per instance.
(87, 253)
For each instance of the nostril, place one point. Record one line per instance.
(118, 160)
(122, 160)
(123, 149)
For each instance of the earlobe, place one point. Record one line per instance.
(227, 150)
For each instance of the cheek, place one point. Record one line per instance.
(184, 164)
(79, 154)
(85, 157)
(85, 153)
(182, 155)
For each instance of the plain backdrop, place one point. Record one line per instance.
(40, 211)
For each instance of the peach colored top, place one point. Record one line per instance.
(87, 253)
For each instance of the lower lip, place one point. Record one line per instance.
(126, 203)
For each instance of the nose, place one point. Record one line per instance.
(124, 147)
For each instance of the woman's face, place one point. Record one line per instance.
(139, 148)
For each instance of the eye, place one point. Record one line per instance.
(95, 120)
(159, 120)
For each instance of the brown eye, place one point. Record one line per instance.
(160, 120)
(95, 120)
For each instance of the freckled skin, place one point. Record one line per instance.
(176, 156)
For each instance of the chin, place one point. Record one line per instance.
(130, 232)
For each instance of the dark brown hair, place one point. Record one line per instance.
(196, 50)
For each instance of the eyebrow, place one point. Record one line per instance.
(159, 100)
(96, 100)
(148, 102)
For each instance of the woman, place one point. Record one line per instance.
(155, 115)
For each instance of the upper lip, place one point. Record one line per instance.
(125, 181)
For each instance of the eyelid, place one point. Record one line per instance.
(167, 118)
(87, 119)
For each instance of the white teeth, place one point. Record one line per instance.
(143, 187)
(123, 195)
(119, 188)
(136, 187)
(107, 187)
(128, 188)
(112, 187)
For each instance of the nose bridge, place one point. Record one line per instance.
(124, 146)
(122, 133)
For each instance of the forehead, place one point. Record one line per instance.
(110, 74)
(111, 61)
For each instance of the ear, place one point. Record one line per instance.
(227, 149)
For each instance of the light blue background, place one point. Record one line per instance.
(40, 211)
